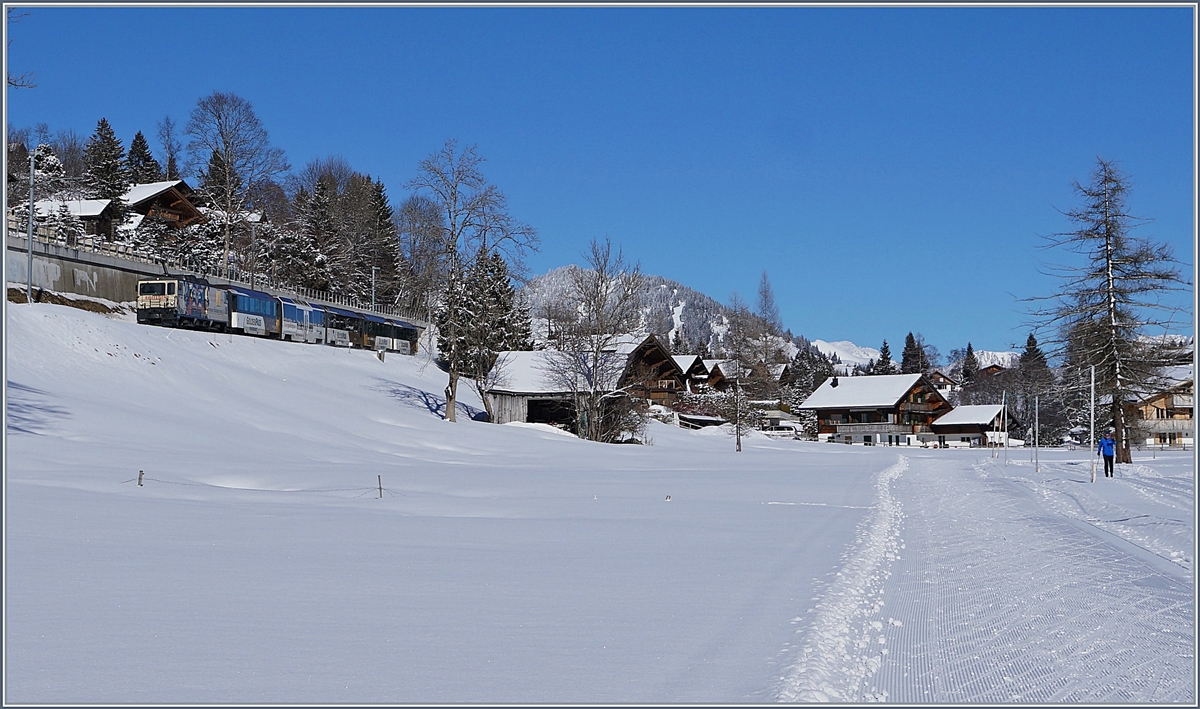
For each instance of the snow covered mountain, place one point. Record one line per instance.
(849, 353)
(670, 307)
(987, 358)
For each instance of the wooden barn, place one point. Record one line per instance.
(542, 386)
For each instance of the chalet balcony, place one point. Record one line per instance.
(884, 428)
(1166, 425)
(919, 408)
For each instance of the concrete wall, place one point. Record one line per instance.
(67, 270)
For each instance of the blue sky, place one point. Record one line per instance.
(890, 168)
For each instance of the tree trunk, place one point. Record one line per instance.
(1121, 436)
(452, 395)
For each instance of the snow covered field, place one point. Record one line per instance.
(517, 564)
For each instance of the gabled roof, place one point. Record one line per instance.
(777, 371)
(519, 372)
(140, 193)
(861, 392)
(969, 415)
(544, 371)
(686, 362)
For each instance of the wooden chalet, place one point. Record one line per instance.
(1165, 417)
(169, 201)
(943, 382)
(992, 370)
(695, 373)
(716, 377)
(651, 373)
(895, 409)
(974, 426)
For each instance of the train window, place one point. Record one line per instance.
(256, 306)
(152, 289)
(170, 289)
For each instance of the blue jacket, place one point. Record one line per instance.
(1108, 446)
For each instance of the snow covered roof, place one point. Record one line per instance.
(685, 362)
(78, 207)
(534, 372)
(1179, 374)
(776, 370)
(967, 415)
(728, 367)
(861, 392)
(149, 190)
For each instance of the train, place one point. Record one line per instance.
(194, 303)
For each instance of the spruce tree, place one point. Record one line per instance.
(67, 226)
(678, 346)
(143, 168)
(106, 175)
(970, 366)
(913, 359)
(48, 172)
(884, 365)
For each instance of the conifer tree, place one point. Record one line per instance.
(913, 359)
(67, 226)
(678, 346)
(48, 172)
(1115, 296)
(884, 365)
(970, 365)
(106, 175)
(143, 168)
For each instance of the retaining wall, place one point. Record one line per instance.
(67, 270)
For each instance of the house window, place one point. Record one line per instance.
(666, 383)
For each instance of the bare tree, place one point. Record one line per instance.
(168, 137)
(767, 309)
(604, 306)
(24, 81)
(1107, 304)
(225, 132)
(473, 218)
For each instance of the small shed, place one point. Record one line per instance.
(973, 426)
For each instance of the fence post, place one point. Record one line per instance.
(140, 474)
(380, 477)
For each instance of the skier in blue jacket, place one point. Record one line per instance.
(1108, 449)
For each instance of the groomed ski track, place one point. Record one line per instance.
(977, 581)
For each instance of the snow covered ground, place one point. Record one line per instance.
(257, 563)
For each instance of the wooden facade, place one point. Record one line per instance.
(1166, 418)
(895, 419)
(651, 373)
(695, 373)
(168, 201)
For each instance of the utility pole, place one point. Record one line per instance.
(253, 255)
(1036, 462)
(29, 273)
(1005, 400)
(1092, 414)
